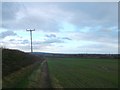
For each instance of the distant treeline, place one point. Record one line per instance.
(80, 55)
(88, 55)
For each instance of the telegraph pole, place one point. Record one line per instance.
(30, 30)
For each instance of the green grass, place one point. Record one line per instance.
(83, 73)
(20, 78)
(18, 68)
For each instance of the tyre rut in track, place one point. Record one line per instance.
(45, 81)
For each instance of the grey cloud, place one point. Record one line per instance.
(48, 17)
(11, 40)
(25, 42)
(92, 13)
(7, 33)
(9, 10)
(37, 42)
(53, 41)
(51, 36)
(98, 48)
(66, 38)
(39, 23)
(19, 41)
(26, 19)
(97, 35)
(48, 41)
(0, 14)
(42, 45)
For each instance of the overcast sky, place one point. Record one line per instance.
(89, 27)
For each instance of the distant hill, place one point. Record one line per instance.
(13, 60)
(43, 53)
(77, 55)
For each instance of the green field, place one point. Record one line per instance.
(83, 73)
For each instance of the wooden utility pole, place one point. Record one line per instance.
(30, 30)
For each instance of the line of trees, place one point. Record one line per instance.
(86, 55)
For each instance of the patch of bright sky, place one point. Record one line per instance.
(37, 35)
(2, 29)
(70, 46)
(90, 29)
(20, 15)
(67, 27)
(115, 29)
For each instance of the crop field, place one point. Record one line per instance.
(83, 73)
